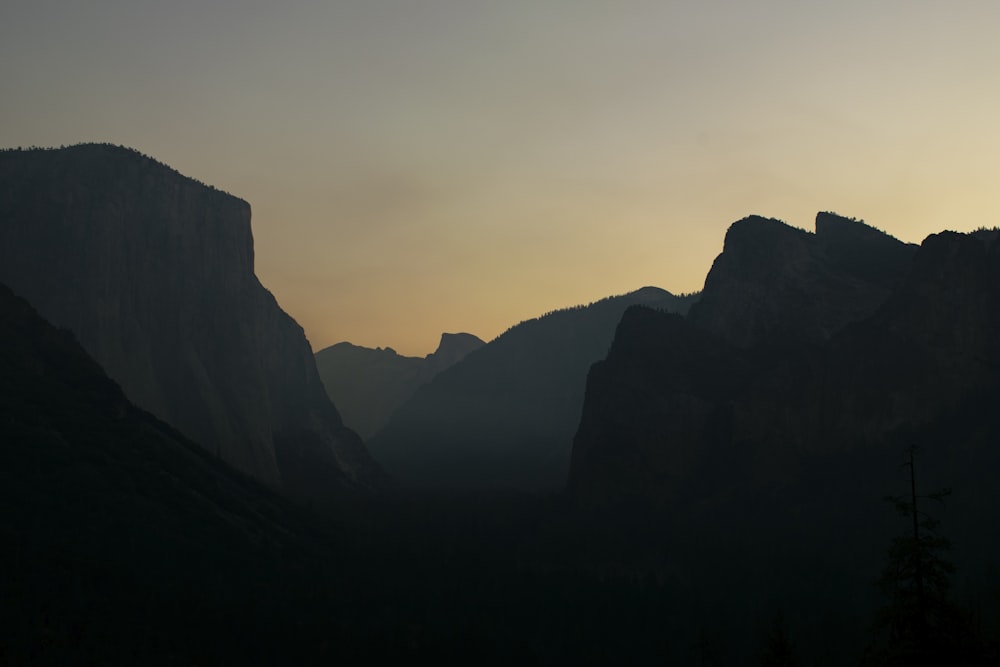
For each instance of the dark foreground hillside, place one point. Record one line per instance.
(124, 543)
(120, 537)
(503, 418)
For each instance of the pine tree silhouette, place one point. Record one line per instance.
(919, 625)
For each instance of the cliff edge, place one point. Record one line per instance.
(154, 274)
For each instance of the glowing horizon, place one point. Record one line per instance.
(416, 168)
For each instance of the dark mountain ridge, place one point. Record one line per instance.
(761, 447)
(679, 418)
(123, 542)
(368, 385)
(776, 284)
(504, 416)
(118, 530)
(790, 352)
(153, 272)
(451, 349)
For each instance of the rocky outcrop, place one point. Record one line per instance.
(655, 409)
(504, 417)
(368, 385)
(116, 525)
(153, 272)
(450, 350)
(769, 462)
(920, 358)
(74, 447)
(678, 415)
(774, 284)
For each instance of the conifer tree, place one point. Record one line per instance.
(918, 625)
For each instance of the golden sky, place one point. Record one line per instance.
(420, 166)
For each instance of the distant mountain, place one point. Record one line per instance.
(367, 385)
(452, 348)
(504, 417)
(154, 274)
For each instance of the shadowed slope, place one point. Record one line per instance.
(153, 273)
(762, 449)
(368, 385)
(116, 531)
(503, 418)
(774, 284)
(674, 406)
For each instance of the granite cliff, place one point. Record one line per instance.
(154, 274)
(117, 530)
(368, 385)
(816, 365)
(774, 284)
(451, 349)
(759, 449)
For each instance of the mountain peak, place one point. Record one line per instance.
(368, 384)
(831, 227)
(504, 417)
(450, 341)
(154, 274)
(452, 349)
(756, 226)
(775, 284)
(105, 162)
(649, 293)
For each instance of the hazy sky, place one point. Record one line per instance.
(419, 166)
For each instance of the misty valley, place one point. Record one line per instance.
(796, 465)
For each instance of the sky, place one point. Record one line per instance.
(422, 166)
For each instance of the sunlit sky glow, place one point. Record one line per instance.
(419, 166)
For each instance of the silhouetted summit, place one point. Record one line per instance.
(759, 434)
(367, 385)
(452, 348)
(504, 417)
(154, 274)
(759, 388)
(776, 284)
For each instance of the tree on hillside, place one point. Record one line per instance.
(918, 624)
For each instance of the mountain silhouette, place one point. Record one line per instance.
(731, 448)
(504, 417)
(775, 284)
(367, 385)
(759, 447)
(673, 389)
(154, 274)
(118, 531)
(677, 416)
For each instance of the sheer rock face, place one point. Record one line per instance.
(774, 284)
(368, 385)
(655, 409)
(678, 414)
(450, 350)
(153, 272)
